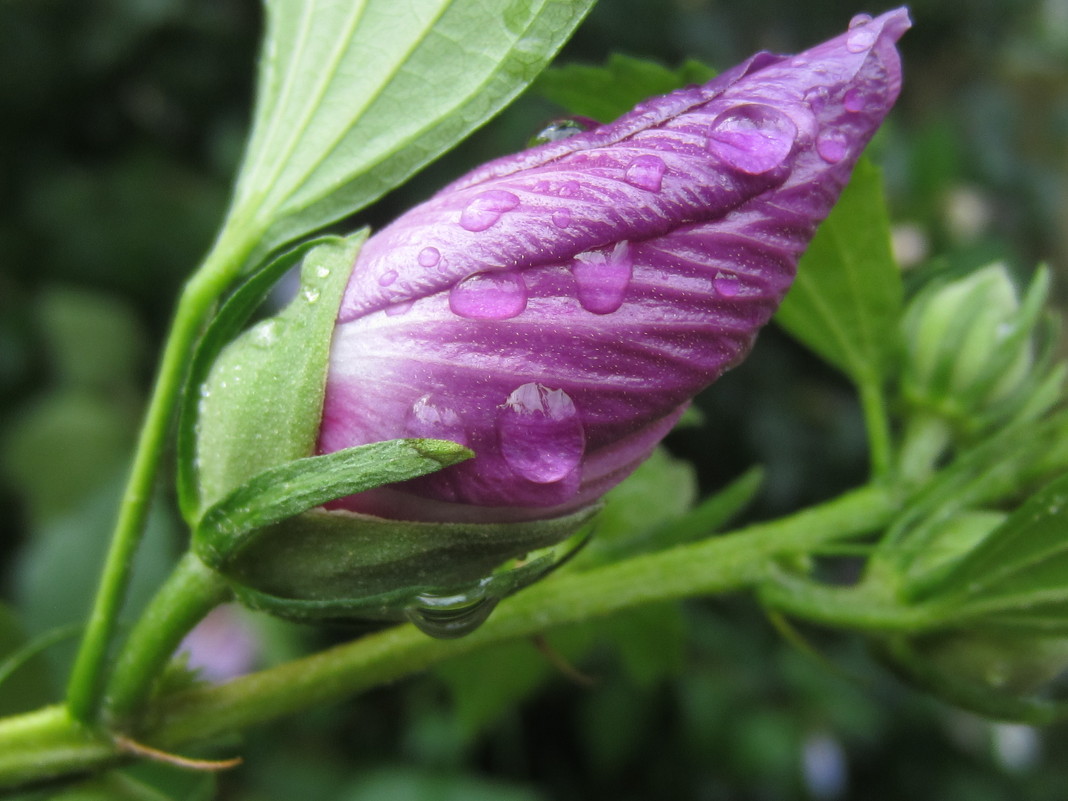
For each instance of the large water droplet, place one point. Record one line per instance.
(560, 129)
(540, 433)
(726, 286)
(489, 296)
(752, 137)
(562, 218)
(429, 257)
(433, 420)
(646, 172)
(448, 616)
(861, 35)
(832, 146)
(485, 209)
(387, 278)
(854, 101)
(602, 277)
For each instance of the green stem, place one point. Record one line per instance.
(195, 305)
(722, 564)
(192, 591)
(877, 422)
(924, 443)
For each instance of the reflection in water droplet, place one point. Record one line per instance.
(570, 189)
(489, 296)
(602, 277)
(559, 129)
(861, 37)
(726, 286)
(447, 617)
(646, 172)
(398, 309)
(540, 433)
(485, 209)
(433, 420)
(428, 257)
(752, 137)
(832, 146)
(387, 278)
(562, 218)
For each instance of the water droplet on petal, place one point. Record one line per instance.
(428, 257)
(726, 286)
(752, 137)
(448, 616)
(602, 277)
(859, 19)
(489, 296)
(562, 218)
(832, 146)
(861, 37)
(540, 433)
(398, 309)
(434, 420)
(646, 172)
(387, 278)
(560, 129)
(485, 209)
(570, 189)
(854, 100)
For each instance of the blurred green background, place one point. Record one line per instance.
(123, 122)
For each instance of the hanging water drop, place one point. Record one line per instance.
(832, 146)
(489, 296)
(540, 433)
(448, 616)
(485, 209)
(429, 257)
(602, 277)
(646, 172)
(752, 137)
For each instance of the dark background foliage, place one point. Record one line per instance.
(123, 122)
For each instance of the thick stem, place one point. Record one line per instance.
(192, 591)
(198, 298)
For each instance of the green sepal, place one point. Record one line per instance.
(227, 323)
(287, 490)
(445, 577)
(261, 405)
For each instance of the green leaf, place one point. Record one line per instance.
(846, 302)
(224, 327)
(262, 403)
(355, 97)
(287, 490)
(607, 92)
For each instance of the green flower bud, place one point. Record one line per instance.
(973, 358)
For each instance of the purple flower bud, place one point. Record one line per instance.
(556, 310)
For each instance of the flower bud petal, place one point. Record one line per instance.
(556, 310)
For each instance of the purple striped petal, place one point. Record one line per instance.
(556, 310)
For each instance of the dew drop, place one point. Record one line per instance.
(726, 286)
(428, 257)
(570, 189)
(434, 420)
(541, 187)
(387, 278)
(602, 277)
(646, 172)
(858, 20)
(854, 101)
(311, 295)
(861, 36)
(485, 209)
(266, 333)
(322, 272)
(448, 616)
(832, 146)
(559, 129)
(540, 433)
(489, 296)
(562, 218)
(752, 137)
(397, 309)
